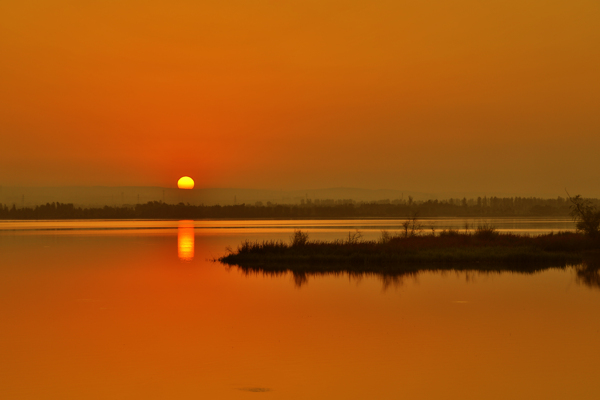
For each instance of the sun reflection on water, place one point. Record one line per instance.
(185, 240)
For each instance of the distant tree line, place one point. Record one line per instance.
(480, 207)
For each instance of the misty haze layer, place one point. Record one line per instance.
(430, 96)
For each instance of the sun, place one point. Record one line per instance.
(185, 182)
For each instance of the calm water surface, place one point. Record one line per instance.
(135, 309)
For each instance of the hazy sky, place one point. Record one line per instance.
(419, 95)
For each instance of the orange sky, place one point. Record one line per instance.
(416, 95)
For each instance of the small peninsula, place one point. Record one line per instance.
(479, 248)
(482, 249)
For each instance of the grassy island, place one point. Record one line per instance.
(483, 249)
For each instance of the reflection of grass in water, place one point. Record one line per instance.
(587, 273)
(389, 277)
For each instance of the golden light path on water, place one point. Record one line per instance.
(185, 240)
(133, 313)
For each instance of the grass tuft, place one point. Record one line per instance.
(404, 252)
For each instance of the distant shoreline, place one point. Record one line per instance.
(430, 209)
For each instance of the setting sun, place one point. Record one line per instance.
(185, 182)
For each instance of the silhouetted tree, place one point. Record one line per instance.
(586, 215)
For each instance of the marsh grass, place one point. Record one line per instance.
(485, 246)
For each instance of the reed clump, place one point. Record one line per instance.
(484, 245)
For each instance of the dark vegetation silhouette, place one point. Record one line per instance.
(587, 273)
(483, 245)
(395, 257)
(586, 215)
(480, 248)
(480, 207)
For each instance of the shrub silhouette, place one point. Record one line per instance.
(486, 230)
(299, 238)
(585, 215)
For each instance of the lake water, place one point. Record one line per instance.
(136, 309)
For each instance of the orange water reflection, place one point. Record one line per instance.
(185, 240)
(97, 316)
